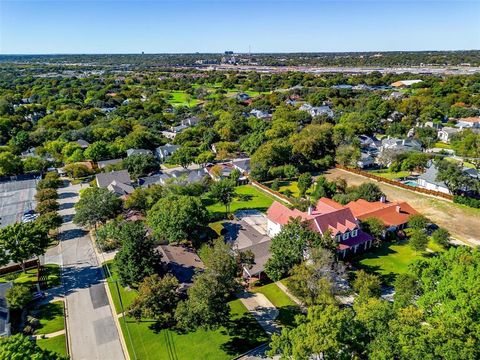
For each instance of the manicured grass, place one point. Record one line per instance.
(240, 335)
(30, 276)
(389, 260)
(287, 309)
(217, 226)
(127, 295)
(391, 175)
(248, 197)
(442, 145)
(57, 344)
(432, 245)
(180, 98)
(51, 317)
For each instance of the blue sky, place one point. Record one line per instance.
(112, 26)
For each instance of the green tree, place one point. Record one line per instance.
(374, 227)
(347, 155)
(46, 206)
(223, 191)
(418, 240)
(287, 249)
(157, 299)
(34, 164)
(142, 199)
(96, 205)
(140, 164)
(184, 156)
(18, 296)
(304, 182)
(49, 221)
(46, 194)
(441, 236)
(21, 347)
(137, 257)
(77, 171)
(406, 289)
(10, 164)
(97, 151)
(326, 332)
(369, 191)
(183, 223)
(204, 158)
(417, 222)
(23, 241)
(366, 285)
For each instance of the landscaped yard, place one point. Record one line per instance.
(30, 276)
(248, 197)
(441, 145)
(57, 344)
(127, 295)
(51, 318)
(240, 335)
(286, 307)
(389, 260)
(287, 185)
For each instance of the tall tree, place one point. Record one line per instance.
(96, 205)
(137, 257)
(304, 182)
(24, 241)
(177, 218)
(21, 347)
(223, 191)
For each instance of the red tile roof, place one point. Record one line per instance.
(391, 214)
(327, 216)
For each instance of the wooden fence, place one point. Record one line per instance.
(271, 192)
(396, 183)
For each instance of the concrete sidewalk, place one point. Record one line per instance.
(262, 310)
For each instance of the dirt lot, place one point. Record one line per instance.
(462, 222)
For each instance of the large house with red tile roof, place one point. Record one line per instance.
(327, 216)
(394, 215)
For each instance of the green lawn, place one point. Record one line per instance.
(51, 317)
(248, 197)
(286, 307)
(391, 175)
(127, 295)
(57, 344)
(30, 276)
(240, 335)
(289, 185)
(181, 98)
(442, 145)
(389, 260)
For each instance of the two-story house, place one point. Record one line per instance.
(327, 216)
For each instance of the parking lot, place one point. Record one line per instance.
(16, 197)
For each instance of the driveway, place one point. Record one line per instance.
(92, 332)
(262, 310)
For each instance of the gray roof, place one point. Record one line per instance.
(183, 262)
(430, 176)
(188, 176)
(105, 179)
(150, 180)
(242, 164)
(120, 189)
(82, 143)
(262, 253)
(103, 164)
(131, 152)
(166, 150)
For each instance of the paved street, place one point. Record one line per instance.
(91, 326)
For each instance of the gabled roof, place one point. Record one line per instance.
(131, 152)
(391, 214)
(120, 188)
(327, 216)
(104, 163)
(105, 179)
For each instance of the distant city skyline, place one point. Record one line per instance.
(189, 26)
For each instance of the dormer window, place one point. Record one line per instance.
(345, 236)
(354, 232)
(339, 237)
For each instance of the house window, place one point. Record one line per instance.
(345, 236)
(338, 238)
(354, 232)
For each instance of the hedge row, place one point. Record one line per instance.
(474, 203)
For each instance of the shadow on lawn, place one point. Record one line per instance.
(245, 334)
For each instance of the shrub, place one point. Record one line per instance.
(48, 184)
(465, 200)
(46, 194)
(275, 185)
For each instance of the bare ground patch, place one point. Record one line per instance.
(462, 222)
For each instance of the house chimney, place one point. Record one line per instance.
(309, 210)
(383, 199)
(398, 208)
